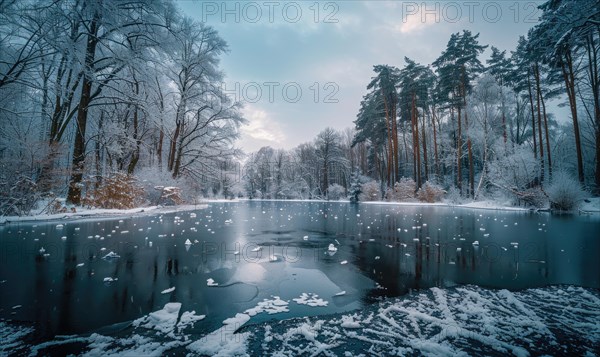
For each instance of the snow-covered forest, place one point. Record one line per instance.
(95, 90)
(105, 98)
(472, 126)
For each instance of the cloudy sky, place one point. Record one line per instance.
(302, 66)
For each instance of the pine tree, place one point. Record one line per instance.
(355, 187)
(457, 67)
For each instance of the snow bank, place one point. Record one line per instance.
(593, 205)
(490, 205)
(86, 213)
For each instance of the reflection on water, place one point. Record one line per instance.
(255, 250)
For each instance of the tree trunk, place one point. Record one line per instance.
(594, 76)
(389, 152)
(98, 155)
(78, 163)
(532, 117)
(569, 78)
(549, 154)
(177, 163)
(459, 152)
(470, 155)
(536, 73)
(424, 148)
(136, 135)
(435, 145)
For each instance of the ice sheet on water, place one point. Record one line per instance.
(162, 320)
(464, 320)
(12, 337)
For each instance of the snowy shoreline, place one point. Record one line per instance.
(592, 207)
(102, 213)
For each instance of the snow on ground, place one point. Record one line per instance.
(86, 213)
(464, 320)
(592, 206)
(490, 205)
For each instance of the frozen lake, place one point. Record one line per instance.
(60, 278)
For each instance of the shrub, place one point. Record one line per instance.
(430, 192)
(18, 196)
(118, 191)
(370, 191)
(403, 190)
(565, 193)
(170, 196)
(336, 192)
(453, 196)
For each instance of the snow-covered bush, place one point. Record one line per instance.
(532, 197)
(565, 193)
(118, 191)
(336, 192)
(370, 191)
(517, 169)
(169, 196)
(453, 196)
(55, 205)
(403, 190)
(18, 196)
(430, 192)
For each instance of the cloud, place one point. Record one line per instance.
(261, 127)
(415, 22)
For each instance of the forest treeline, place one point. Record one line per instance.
(89, 89)
(477, 128)
(94, 91)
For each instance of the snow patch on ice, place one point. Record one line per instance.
(270, 306)
(310, 300)
(162, 320)
(211, 282)
(169, 290)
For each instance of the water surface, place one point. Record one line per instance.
(389, 250)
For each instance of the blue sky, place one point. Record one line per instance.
(280, 48)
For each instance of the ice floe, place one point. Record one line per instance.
(310, 300)
(167, 291)
(270, 306)
(211, 282)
